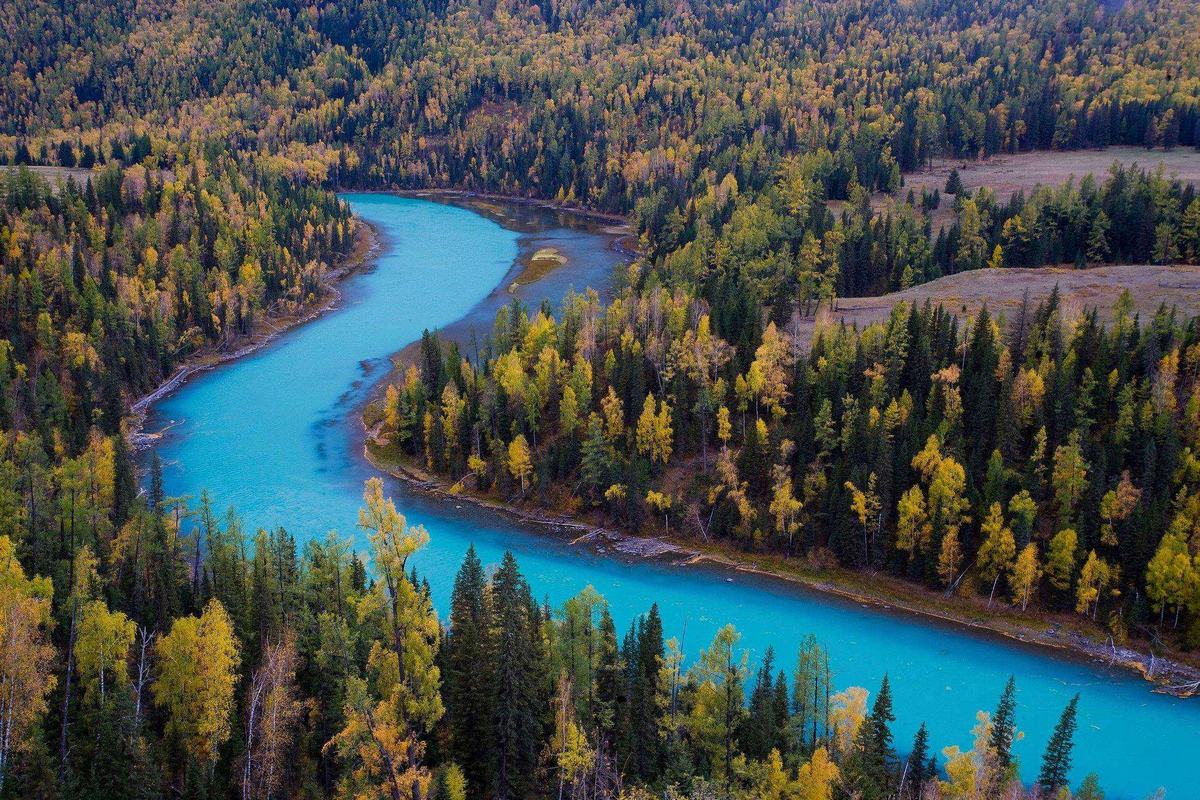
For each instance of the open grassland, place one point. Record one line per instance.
(1009, 173)
(1004, 290)
(59, 175)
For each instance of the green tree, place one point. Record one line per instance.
(718, 710)
(1004, 728)
(1056, 763)
(466, 679)
(517, 683)
(874, 761)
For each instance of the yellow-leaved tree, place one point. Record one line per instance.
(654, 431)
(816, 778)
(198, 671)
(520, 461)
(997, 550)
(387, 714)
(102, 650)
(1024, 574)
(26, 655)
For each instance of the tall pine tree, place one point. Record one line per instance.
(1056, 763)
(466, 675)
(1004, 726)
(516, 715)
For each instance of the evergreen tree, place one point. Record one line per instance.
(608, 679)
(516, 713)
(1004, 726)
(1056, 763)
(780, 713)
(1090, 789)
(757, 737)
(875, 757)
(917, 769)
(644, 711)
(465, 683)
(954, 184)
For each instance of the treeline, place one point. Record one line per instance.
(167, 658)
(1043, 459)
(1132, 217)
(106, 287)
(784, 249)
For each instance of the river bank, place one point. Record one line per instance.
(626, 238)
(367, 244)
(1176, 675)
(1169, 675)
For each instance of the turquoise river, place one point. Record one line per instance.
(275, 435)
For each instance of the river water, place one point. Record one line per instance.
(276, 436)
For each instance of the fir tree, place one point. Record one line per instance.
(917, 769)
(465, 685)
(608, 679)
(954, 184)
(516, 724)
(1004, 726)
(1056, 763)
(644, 710)
(875, 755)
(1090, 789)
(780, 711)
(758, 732)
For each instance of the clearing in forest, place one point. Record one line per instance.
(1007, 174)
(1003, 290)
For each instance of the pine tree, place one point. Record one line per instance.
(1056, 763)
(875, 755)
(757, 736)
(916, 768)
(1004, 726)
(954, 184)
(780, 711)
(1090, 789)
(644, 711)
(608, 679)
(465, 686)
(516, 711)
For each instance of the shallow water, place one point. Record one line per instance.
(276, 436)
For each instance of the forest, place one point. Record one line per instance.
(1048, 460)
(222, 663)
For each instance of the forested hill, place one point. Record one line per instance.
(606, 101)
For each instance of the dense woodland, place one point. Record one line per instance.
(1045, 461)
(220, 663)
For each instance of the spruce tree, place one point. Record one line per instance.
(465, 677)
(876, 755)
(608, 679)
(758, 732)
(917, 769)
(1004, 726)
(954, 184)
(781, 705)
(1090, 789)
(516, 713)
(644, 707)
(625, 745)
(1056, 763)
